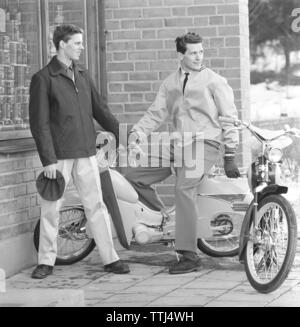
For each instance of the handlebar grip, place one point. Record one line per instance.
(229, 120)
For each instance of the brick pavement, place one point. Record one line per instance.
(222, 282)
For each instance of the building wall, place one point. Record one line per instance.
(141, 51)
(18, 209)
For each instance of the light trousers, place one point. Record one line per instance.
(86, 178)
(186, 190)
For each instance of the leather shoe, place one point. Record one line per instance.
(42, 271)
(117, 267)
(185, 266)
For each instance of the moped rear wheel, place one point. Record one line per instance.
(218, 252)
(224, 242)
(73, 242)
(270, 251)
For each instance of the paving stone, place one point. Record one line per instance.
(197, 292)
(211, 284)
(119, 278)
(181, 301)
(129, 298)
(290, 282)
(247, 297)
(217, 303)
(49, 282)
(226, 275)
(96, 294)
(42, 298)
(296, 287)
(164, 280)
(91, 303)
(289, 299)
(107, 286)
(149, 289)
(293, 275)
(120, 304)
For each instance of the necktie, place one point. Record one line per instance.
(185, 80)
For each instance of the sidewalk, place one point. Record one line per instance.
(221, 283)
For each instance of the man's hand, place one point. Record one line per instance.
(135, 140)
(50, 171)
(230, 167)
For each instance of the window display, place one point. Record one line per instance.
(26, 31)
(19, 58)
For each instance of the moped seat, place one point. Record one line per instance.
(267, 135)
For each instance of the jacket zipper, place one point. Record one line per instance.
(80, 113)
(76, 90)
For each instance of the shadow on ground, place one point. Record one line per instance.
(161, 255)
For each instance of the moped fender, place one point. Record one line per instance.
(245, 231)
(244, 237)
(111, 202)
(272, 189)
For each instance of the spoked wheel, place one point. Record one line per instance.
(270, 250)
(225, 239)
(73, 242)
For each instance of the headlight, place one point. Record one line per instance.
(274, 154)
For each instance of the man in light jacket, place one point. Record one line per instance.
(192, 98)
(63, 103)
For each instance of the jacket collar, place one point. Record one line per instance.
(56, 68)
(181, 71)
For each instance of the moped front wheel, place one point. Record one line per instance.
(73, 242)
(271, 247)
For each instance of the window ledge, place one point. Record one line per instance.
(18, 145)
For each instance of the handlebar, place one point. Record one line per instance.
(239, 123)
(293, 131)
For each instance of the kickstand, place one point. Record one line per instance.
(177, 256)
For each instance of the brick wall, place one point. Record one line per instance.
(141, 50)
(18, 198)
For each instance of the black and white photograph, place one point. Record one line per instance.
(150, 156)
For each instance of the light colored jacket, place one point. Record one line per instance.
(207, 96)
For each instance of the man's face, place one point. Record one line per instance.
(192, 59)
(72, 49)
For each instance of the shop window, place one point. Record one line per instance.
(26, 30)
(19, 59)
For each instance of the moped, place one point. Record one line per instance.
(229, 208)
(268, 239)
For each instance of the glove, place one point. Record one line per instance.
(230, 167)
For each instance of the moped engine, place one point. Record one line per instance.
(144, 234)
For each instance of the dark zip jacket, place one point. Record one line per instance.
(61, 113)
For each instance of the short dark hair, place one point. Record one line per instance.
(64, 32)
(181, 41)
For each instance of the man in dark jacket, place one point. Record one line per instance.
(63, 103)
